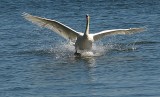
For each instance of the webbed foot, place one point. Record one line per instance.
(77, 54)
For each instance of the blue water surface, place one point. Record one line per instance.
(36, 62)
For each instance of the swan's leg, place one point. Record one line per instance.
(76, 48)
(75, 52)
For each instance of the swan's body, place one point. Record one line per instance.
(83, 40)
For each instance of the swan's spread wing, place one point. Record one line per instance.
(55, 26)
(101, 34)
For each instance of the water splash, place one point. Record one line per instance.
(66, 50)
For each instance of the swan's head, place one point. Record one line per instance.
(87, 17)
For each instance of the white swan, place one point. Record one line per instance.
(83, 40)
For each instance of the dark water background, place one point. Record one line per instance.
(35, 62)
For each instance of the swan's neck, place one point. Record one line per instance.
(87, 26)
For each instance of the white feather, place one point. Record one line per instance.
(104, 33)
(83, 41)
(54, 25)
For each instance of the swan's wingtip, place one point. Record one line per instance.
(24, 14)
(142, 29)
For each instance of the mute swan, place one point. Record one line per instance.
(83, 40)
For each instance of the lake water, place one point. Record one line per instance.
(36, 62)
